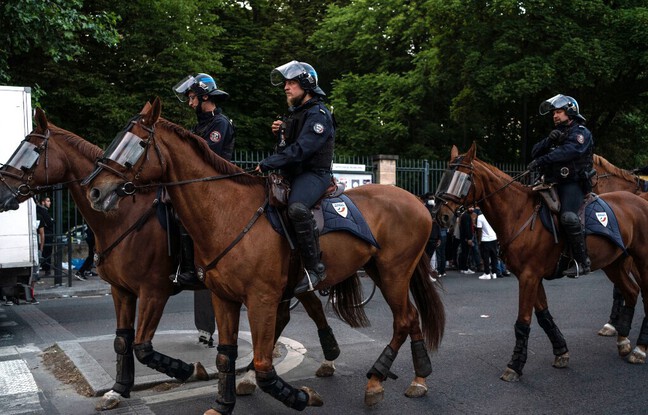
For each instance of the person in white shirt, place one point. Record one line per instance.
(488, 246)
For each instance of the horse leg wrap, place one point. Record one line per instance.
(617, 303)
(329, 344)
(422, 364)
(624, 322)
(643, 334)
(553, 332)
(270, 383)
(383, 364)
(518, 360)
(226, 365)
(125, 377)
(175, 368)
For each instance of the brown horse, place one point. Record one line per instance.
(250, 262)
(133, 272)
(610, 178)
(530, 251)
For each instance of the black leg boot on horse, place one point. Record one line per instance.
(186, 276)
(307, 237)
(576, 240)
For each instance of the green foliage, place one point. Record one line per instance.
(404, 77)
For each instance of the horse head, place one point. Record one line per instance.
(454, 187)
(128, 161)
(42, 160)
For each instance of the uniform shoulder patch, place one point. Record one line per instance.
(580, 138)
(318, 128)
(215, 136)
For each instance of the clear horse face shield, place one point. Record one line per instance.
(454, 184)
(25, 157)
(125, 149)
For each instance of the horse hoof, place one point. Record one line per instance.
(624, 347)
(416, 390)
(510, 375)
(561, 361)
(199, 373)
(637, 356)
(108, 401)
(372, 398)
(608, 330)
(314, 398)
(247, 385)
(326, 370)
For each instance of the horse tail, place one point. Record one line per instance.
(345, 297)
(428, 302)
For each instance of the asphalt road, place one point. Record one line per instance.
(477, 345)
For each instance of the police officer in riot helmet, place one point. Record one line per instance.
(202, 94)
(304, 154)
(565, 158)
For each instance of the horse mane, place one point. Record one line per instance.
(85, 147)
(220, 164)
(609, 167)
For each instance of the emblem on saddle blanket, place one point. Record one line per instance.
(332, 215)
(597, 217)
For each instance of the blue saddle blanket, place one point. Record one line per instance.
(598, 218)
(337, 214)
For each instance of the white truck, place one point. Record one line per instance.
(18, 253)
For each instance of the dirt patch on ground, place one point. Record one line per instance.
(55, 360)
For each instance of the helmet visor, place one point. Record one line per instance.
(181, 88)
(553, 103)
(290, 70)
(25, 156)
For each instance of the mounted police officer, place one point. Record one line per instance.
(565, 158)
(202, 94)
(304, 154)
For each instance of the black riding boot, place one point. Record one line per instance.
(186, 276)
(307, 237)
(576, 239)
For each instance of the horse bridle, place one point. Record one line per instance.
(27, 175)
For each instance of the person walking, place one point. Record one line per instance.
(466, 240)
(488, 247)
(304, 154)
(86, 268)
(47, 241)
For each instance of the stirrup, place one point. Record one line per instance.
(301, 288)
(576, 271)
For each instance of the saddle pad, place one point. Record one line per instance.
(598, 218)
(339, 214)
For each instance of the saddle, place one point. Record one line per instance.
(596, 216)
(334, 211)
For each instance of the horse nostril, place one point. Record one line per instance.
(95, 194)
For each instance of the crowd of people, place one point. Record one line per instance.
(470, 246)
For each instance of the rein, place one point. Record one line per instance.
(99, 256)
(134, 187)
(202, 271)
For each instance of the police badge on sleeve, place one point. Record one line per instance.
(580, 138)
(215, 136)
(318, 128)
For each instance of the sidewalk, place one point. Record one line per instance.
(72, 287)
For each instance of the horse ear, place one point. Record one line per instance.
(152, 115)
(41, 119)
(470, 154)
(454, 153)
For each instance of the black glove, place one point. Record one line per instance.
(554, 136)
(533, 165)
